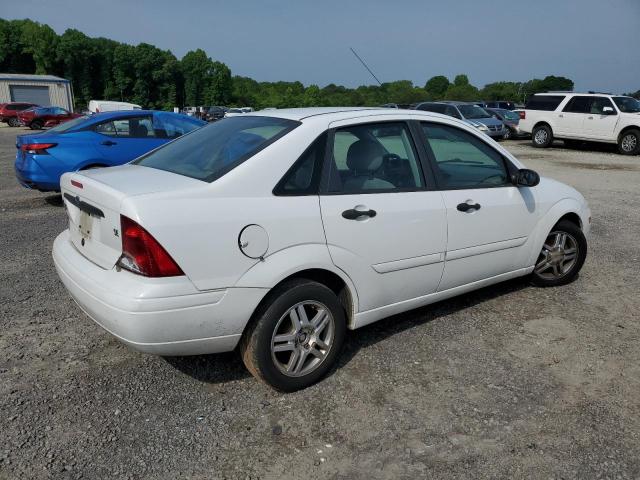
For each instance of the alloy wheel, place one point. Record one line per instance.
(303, 337)
(558, 256)
(541, 136)
(629, 142)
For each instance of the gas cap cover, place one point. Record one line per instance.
(253, 241)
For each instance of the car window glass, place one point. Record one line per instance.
(210, 152)
(105, 128)
(303, 177)
(578, 105)
(173, 126)
(373, 158)
(544, 102)
(462, 160)
(134, 127)
(598, 103)
(452, 112)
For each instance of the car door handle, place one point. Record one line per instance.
(354, 214)
(108, 143)
(590, 118)
(465, 207)
(561, 116)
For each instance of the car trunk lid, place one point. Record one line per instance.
(93, 201)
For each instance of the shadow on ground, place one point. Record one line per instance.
(225, 367)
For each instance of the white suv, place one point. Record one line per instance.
(583, 116)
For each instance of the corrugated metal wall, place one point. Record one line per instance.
(59, 92)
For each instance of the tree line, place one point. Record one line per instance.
(100, 68)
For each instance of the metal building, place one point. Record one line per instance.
(45, 90)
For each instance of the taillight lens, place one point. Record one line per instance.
(37, 148)
(142, 254)
(522, 114)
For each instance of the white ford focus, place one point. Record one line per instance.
(276, 231)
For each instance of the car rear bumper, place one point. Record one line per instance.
(31, 175)
(162, 316)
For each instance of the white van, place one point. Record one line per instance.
(97, 106)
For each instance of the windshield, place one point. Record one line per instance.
(211, 151)
(473, 111)
(66, 126)
(627, 104)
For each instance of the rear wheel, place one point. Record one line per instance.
(562, 255)
(296, 336)
(542, 137)
(36, 125)
(507, 134)
(629, 142)
(13, 122)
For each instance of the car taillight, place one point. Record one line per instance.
(522, 114)
(37, 148)
(142, 254)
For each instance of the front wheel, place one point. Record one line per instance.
(296, 336)
(13, 122)
(507, 134)
(562, 255)
(542, 137)
(36, 125)
(629, 142)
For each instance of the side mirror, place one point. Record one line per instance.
(608, 111)
(526, 178)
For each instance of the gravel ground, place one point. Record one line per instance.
(509, 382)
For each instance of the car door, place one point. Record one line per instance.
(488, 218)
(121, 139)
(600, 122)
(385, 224)
(571, 118)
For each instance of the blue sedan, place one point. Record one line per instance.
(101, 140)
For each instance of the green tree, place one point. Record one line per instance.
(197, 70)
(40, 42)
(220, 89)
(437, 86)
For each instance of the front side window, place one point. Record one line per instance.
(215, 149)
(462, 160)
(598, 104)
(374, 158)
(578, 105)
(128, 127)
(173, 126)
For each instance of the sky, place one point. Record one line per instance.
(596, 43)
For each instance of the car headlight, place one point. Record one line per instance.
(482, 127)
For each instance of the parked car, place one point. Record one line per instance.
(595, 117)
(100, 140)
(211, 114)
(9, 112)
(510, 120)
(276, 232)
(474, 115)
(39, 117)
(99, 106)
(503, 104)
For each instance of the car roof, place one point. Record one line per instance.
(300, 114)
(585, 94)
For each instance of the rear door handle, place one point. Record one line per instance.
(465, 207)
(108, 143)
(561, 116)
(353, 214)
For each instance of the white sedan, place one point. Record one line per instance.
(276, 231)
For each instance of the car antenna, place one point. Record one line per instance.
(365, 66)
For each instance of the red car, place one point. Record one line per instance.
(9, 112)
(39, 117)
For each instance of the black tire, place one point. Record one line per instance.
(542, 279)
(13, 122)
(36, 125)
(256, 343)
(629, 142)
(542, 136)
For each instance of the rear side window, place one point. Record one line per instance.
(129, 127)
(578, 105)
(544, 102)
(304, 177)
(215, 149)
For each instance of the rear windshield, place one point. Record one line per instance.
(544, 102)
(211, 151)
(66, 126)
